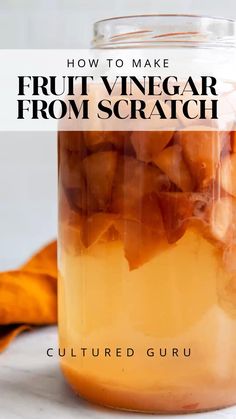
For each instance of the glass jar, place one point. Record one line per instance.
(147, 246)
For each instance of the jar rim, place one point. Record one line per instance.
(165, 15)
(152, 30)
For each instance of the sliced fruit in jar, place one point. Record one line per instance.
(227, 144)
(82, 200)
(133, 180)
(148, 144)
(70, 170)
(233, 141)
(141, 243)
(72, 141)
(93, 139)
(170, 161)
(149, 213)
(110, 235)
(201, 150)
(221, 219)
(215, 218)
(94, 226)
(97, 140)
(100, 169)
(64, 206)
(176, 209)
(201, 203)
(70, 232)
(227, 173)
(79, 231)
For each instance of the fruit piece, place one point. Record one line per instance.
(227, 143)
(72, 141)
(64, 207)
(148, 144)
(147, 212)
(101, 140)
(73, 180)
(227, 173)
(171, 162)
(141, 243)
(93, 139)
(202, 204)
(69, 232)
(134, 180)
(110, 235)
(176, 209)
(150, 214)
(94, 226)
(70, 170)
(99, 169)
(82, 200)
(221, 219)
(233, 141)
(215, 217)
(201, 150)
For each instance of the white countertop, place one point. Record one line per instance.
(32, 386)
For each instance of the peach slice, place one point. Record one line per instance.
(215, 218)
(176, 209)
(227, 148)
(70, 232)
(227, 173)
(97, 141)
(99, 169)
(201, 150)
(148, 144)
(73, 180)
(93, 139)
(82, 200)
(70, 170)
(134, 180)
(141, 243)
(64, 207)
(171, 162)
(110, 235)
(221, 218)
(233, 141)
(202, 204)
(150, 214)
(101, 140)
(94, 226)
(201, 210)
(72, 141)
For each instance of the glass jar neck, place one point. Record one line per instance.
(147, 31)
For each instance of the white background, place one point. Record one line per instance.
(27, 161)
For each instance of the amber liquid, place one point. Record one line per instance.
(146, 260)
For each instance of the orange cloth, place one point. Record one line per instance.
(28, 296)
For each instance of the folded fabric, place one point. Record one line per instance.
(28, 296)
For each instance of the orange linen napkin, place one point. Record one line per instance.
(28, 296)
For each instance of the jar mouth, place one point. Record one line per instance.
(171, 30)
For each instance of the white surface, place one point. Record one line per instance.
(32, 386)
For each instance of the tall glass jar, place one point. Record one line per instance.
(147, 246)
